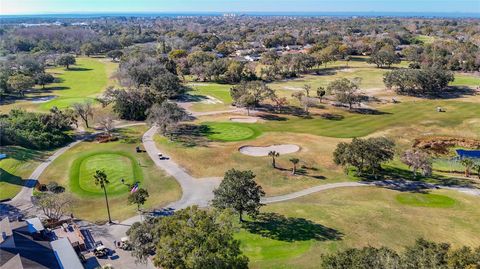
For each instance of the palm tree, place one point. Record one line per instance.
(468, 164)
(273, 154)
(294, 161)
(101, 179)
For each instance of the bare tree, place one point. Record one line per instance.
(106, 123)
(280, 102)
(54, 206)
(417, 160)
(84, 110)
(166, 116)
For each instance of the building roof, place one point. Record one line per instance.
(34, 254)
(66, 255)
(35, 225)
(5, 229)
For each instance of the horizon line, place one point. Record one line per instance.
(232, 12)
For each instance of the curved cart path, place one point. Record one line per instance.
(194, 191)
(23, 199)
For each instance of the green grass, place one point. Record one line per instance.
(466, 80)
(260, 248)
(116, 164)
(354, 217)
(447, 165)
(219, 91)
(425, 200)
(425, 39)
(230, 131)
(398, 115)
(16, 168)
(83, 81)
(119, 159)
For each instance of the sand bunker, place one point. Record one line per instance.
(263, 151)
(211, 100)
(293, 88)
(245, 119)
(43, 99)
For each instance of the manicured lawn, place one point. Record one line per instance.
(231, 131)
(398, 115)
(215, 158)
(116, 164)
(466, 80)
(119, 160)
(300, 230)
(204, 92)
(83, 81)
(425, 200)
(219, 91)
(16, 168)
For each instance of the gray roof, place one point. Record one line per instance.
(33, 253)
(35, 225)
(66, 255)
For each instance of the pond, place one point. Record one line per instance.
(472, 154)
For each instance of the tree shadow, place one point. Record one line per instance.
(190, 135)
(290, 110)
(279, 227)
(403, 180)
(452, 92)
(51, 89)
(332, 116)
(79, 69)
(186, 98)
(7, 177)
(11, 212)
(23, 154)
(272, 117)
(368, 111)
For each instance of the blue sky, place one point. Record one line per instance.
(81, 6)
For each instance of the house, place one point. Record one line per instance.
(27, 245)
(252, 58)
(243, 52)
(256, 45)
(293, 47)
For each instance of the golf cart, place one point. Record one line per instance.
(100, 251)
(162, 157)
(125, 244)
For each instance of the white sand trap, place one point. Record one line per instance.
(292, 88)
(43, 99)
(263, 151)
(245, 119)
(211, 100)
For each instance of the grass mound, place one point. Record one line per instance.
(117, 165)
(229, 131)
(425, 200)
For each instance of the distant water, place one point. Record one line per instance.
(212, 14)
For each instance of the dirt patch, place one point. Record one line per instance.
(263, 151)
(442, 144)
(245, 119)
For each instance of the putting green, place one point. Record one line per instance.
(227, 131)
(117, 165)
(425, 200)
